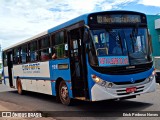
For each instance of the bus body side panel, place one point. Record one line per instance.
(6, 77)
(98, 92)
(34, 77)
(17, 71)
(60, 69)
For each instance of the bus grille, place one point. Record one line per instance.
(128, 82)
(123, 92)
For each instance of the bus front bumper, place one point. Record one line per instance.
(99, 93)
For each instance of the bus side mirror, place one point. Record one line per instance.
(86, 37)
(87, 48)
(150, 42)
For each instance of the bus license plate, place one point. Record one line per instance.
(130, 90)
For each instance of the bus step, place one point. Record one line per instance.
(80, 98)
(12, 87)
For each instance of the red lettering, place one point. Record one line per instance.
(102, 60)
(120, 61)
(125, 61)
(112, 61)
(107, 61)
(116, 60)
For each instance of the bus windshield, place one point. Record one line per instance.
(125, 46)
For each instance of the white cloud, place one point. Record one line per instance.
(25, 18)
(150, 2)
(21, 19)
(111, 4)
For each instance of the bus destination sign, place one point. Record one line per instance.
(113, 60)
(110, 19)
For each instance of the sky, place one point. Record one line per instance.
(22, 19)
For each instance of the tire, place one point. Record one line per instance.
(19, 87)
(64, 94)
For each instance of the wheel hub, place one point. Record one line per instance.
(64, 92)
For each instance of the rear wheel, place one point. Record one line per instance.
(64, 94)
(19, 87)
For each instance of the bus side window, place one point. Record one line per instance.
(4, 59)
(16, 56)
(53, 51)
(33, 51)
(24, 54)
(60, 46)
(28, 53)
(44, 54)
(44, 50)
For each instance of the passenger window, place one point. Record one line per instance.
(4, 59)
(61, 47)
(44, 54)
(24, 53)
(59, 38)
(44, 50)
(33, 51)
(16, 56)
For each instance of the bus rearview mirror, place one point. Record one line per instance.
(86, 37)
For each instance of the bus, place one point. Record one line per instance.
(94, 57)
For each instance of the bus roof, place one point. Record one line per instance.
(66, 24)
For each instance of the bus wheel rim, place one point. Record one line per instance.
(64, 92)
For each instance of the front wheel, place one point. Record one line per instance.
(64, 94)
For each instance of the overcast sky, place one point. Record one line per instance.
(22, 19)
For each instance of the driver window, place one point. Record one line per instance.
(104, 40)
(101, 41)
(139, 45)
(96, 41)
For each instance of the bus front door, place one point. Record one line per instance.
(78, 83)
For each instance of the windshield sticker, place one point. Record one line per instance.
(113, 60)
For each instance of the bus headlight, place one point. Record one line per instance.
(101, 82)
(110, 85)
(151, 77)
(96, 79)
(154, 73)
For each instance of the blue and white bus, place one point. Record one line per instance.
(97, 56)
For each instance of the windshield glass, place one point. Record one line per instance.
(121, 46)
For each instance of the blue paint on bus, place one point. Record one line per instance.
(60, 69)
(57, 72)
(73, 21)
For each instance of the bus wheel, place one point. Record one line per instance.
(19, 87)
(64, 94)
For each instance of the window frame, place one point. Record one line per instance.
(34, 51)
(55, 44)
(43, 48)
